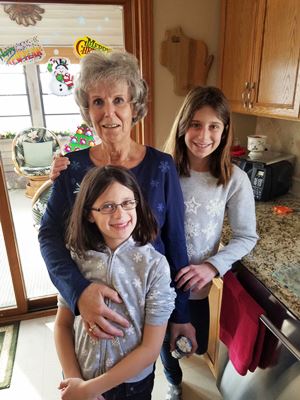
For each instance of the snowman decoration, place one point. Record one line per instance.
(61, 82)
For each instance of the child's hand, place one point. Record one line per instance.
(195, 277)
(76, 389)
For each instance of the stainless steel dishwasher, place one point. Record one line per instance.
(278, 378)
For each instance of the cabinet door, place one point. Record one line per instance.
(238, 26)
(215, 301)
(276, 74)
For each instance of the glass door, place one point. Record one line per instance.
(25, 101)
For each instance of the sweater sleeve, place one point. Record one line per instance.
(173, 236)
(62, 270)
(240, 209)
(160, 296)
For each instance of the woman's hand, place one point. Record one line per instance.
(76, 389)
(97, 315)
(59, 163)
(195, 277)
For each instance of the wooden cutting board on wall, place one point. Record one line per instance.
(187, 59)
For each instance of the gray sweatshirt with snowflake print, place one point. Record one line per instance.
(206, 205)
(141, 276)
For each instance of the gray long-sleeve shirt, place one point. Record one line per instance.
(206, 205)
(141, 276)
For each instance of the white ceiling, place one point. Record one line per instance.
(63, 24)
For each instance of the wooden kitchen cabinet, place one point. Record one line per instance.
(215, 301)
(260, 56)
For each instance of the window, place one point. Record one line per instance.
(15, 113)
(26, 100)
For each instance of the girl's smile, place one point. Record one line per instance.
(116, 225)
(203, 137)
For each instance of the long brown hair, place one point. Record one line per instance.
(220, 165)
(83, 235)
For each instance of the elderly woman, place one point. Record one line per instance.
(112, 98)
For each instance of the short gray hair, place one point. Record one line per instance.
(111, 67)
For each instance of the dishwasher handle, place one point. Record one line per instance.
(280, 336)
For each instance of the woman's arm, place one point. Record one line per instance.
(173, 236)
(140, 358)
(64, 342)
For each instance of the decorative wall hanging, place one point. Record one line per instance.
(85, 45)
(61, 82)
(187, 59)
(25, 52)
(24, 14)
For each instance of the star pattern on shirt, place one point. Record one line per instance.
(160, 207)
(137, 257)
(154, 183)
(101, 265)
(191, 206)
(75, 165)
(164, 166)
(109, 363)
(190, 250)
(192, 228)
(215, 207)
(130, 331)
(137, 283)
(209, 230)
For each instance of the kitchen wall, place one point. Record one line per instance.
(283, 136)
(199, 19)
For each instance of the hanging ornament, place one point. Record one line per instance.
(82, 139)
(24, 14)
(61, 83)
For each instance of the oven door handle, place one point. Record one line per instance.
(280, 336)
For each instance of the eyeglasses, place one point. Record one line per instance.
(110, 208)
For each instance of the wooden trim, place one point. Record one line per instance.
(222, 42)
(138, 19)
(26, 316)
(11, 248)
(215, 301)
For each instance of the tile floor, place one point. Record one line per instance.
(37, 372)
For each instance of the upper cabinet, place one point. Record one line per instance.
(260, 54)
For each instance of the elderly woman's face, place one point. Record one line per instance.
(110, 111)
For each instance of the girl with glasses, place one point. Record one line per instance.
(109, 234)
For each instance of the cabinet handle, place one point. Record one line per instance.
(251, 95)
(280, 336)
(245, 94)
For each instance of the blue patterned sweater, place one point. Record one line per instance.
(158, 179)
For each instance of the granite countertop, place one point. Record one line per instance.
(275, 260)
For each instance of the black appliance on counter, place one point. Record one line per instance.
(278, 376)
(270, 173)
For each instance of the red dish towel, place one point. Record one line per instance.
(240, 328)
